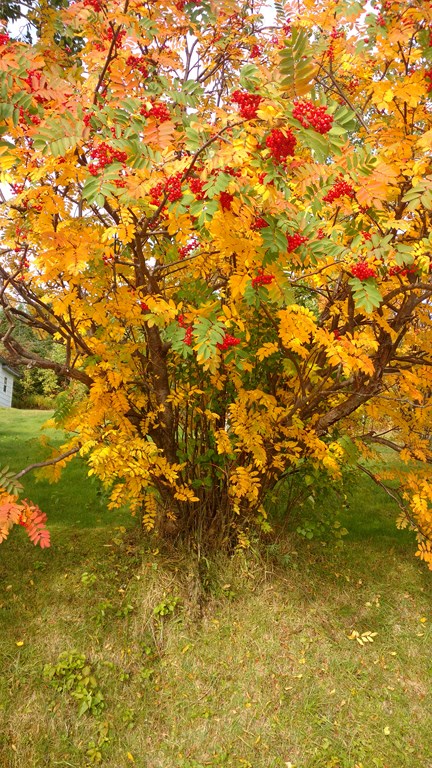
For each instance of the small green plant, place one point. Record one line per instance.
(72, 674)
(104, 609)
(125, 610)
(97, 745)
(166, 607)
(128, 717)
(322, 529)
(88, 578)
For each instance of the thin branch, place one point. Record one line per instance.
(47, 463)
(394, 495)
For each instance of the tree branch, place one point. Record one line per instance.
(47, 463)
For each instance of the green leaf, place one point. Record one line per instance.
(91, 188)
(297, 64)
(366, 294)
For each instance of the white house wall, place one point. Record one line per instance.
(6, 383)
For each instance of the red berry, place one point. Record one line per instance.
(225, 200)
(281, 145)
(295, 240)
(159, 112)
(339, 189)
(102, 155)
(173, 187)
(197, 187)
(156, 193)
(185, 250)
(95, 4)
(262, 279)
(138, 63)
(259, 223)
(362, 271)
(248, 103)
(227, 342)
(311, 116)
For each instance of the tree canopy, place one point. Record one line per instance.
(222, 215)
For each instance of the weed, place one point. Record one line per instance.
(97, 746)
(166, 607)
(72, 674)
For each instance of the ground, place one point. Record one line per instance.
(261, 668)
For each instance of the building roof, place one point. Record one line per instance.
(8, 368)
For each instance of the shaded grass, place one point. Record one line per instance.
(260, 674)
(77, 500)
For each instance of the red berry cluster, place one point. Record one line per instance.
(311, 116)
(156, 193)
(17, 188)
(255, 51)
(235, 172)
(227, 342)
(180, 4)
(380, 20)
(196, 186)
(428, 76)
(248, 103)
(104, 155)
(95, 4)
(262, 279)
(25, 116)
(87, 118)
(403, 271)
(294, 241)
(362, 271)
(185, 250)
(225, 199)
(320, 234)
(20, 233)
(173, 187)
(4, 38)
(259, 223)
(281, 145)
(366, 235)
(339, 189)
(159, 112)
(138, 63)
(336, 333)
(144, 307)
(352, 84)
(335, 34)
(33, 79)
(188, 336)
(119, 36)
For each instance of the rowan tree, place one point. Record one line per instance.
(224, 220)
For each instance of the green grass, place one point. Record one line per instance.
(77, 500)
(260, 674)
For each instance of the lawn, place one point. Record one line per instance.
(111, 655)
